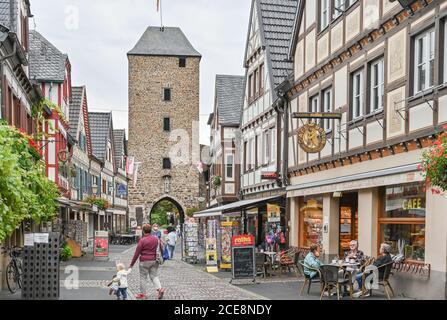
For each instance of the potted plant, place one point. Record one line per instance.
(434, 164)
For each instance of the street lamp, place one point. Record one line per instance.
(95, 189)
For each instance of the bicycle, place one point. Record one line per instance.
(14, 271)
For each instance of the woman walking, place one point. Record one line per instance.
(146, 252)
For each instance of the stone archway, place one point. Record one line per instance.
(181, 209)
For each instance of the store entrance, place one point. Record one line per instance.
(348, 221)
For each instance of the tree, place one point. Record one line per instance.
(159, 214)
(25, 192)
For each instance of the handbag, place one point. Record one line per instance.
(159, 256)
(165, 254)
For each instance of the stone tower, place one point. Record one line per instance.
(164, 121)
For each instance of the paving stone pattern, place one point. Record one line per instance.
(185, 282)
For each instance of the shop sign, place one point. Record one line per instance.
(121, 190)
(101, 248)
(408, 204)
(269, 176)
(244, 240)
(312, 138)
(273, 213)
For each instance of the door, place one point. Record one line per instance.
(348, 221)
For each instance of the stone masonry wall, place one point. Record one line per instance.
(148, 76)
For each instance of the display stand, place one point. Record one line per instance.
(190, 242)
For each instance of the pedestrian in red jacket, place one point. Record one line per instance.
(146, 252)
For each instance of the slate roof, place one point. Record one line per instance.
(169, 42)
(8, 16)
(119, 137)
(75, 108)
(100, 123)
(47, 63)
(278, 19)
(230, 98)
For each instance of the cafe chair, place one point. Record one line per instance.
(261, 264)
(287, 261)
(307, 280)
(331, 280)
(384, 276)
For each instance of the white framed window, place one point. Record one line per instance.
(327, 107)
(314, 104)
(357, 94)
(267, 144)
(339, 8)
(273, 148)
(377, 85)
(229, 167)
(258, 151)
(424, 60)
(324, 13)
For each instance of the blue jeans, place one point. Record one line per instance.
(171, 251)
(122, 292)
(359, 280)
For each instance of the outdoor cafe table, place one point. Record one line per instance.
(352, 268)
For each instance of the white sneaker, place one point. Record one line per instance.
(357, 294)
(326, 294)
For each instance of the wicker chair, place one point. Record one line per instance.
(331, 280)
(384, 276)
(307, 280)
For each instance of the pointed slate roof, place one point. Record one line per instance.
(47, 63)
(119, 137)
(100, 123)
(277, 21)
(77, 94)
(229, 98)
(169, 41)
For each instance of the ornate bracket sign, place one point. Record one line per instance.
(63, 156)
(311, 138)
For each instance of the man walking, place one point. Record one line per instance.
(171, 241)
(146, 252)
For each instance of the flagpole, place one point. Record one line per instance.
(161, 14)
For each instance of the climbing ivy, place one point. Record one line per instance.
(25, 191)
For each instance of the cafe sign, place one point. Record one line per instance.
(415, 203)
(311, 138)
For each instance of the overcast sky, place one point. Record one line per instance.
(97, 34)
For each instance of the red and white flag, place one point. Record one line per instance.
(130, 165)
(158, 5)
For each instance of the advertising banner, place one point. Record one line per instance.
(273, 213)
(101, 248)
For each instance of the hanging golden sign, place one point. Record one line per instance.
(312, 138)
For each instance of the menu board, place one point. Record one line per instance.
(243, 257)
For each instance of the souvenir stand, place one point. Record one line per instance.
(190, 241)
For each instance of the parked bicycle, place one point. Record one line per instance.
(14, 269)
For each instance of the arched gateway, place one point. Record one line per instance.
(163, 117)
(180, 208)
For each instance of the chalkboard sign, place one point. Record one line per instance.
(243, 257)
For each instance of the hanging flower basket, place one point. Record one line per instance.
(217, 181)
(434, 164)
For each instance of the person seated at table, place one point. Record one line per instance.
(354, 252)
(384, 258)
(312, 260)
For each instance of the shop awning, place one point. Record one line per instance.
(239, 205)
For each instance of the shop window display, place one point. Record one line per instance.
(402, 221)
(312, 218)
(405, 239)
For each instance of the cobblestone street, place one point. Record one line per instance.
(186, 282)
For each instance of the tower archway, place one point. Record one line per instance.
(181, 211)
